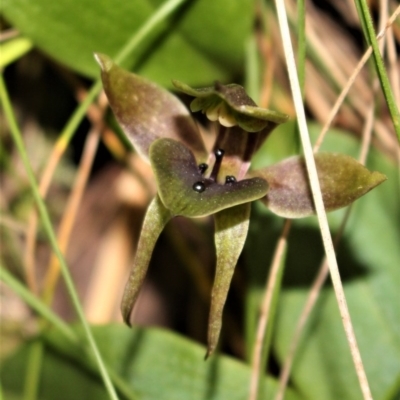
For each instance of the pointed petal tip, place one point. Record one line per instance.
(209, 352)
(104, 61)
(126, 314)
(378, 177)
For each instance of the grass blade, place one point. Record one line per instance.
(380, 66)
(17, 137)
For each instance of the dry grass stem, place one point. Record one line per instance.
(324, 269)
(71, 210)
(44, 185)
(265, 310)
(8, 34)
(321, 276)
(350, 83)
(109, 273)
(318, 201)
(96, 116)
(301, 323)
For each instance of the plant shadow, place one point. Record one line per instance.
(304, 253)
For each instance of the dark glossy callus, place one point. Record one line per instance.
(203, 168)
(230, 179)
(199, 187)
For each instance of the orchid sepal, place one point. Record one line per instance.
(342, 181)
(231, 227)
(146, 111)
(157, 216)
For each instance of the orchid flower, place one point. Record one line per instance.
(194, 183)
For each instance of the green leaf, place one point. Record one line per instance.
(197, 47)
(368, 258)
(178, 175)
(342, 179)
(231, 226)
(231, 105)
(156, 364)
(146, 111)
(154, 222)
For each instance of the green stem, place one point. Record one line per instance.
(168, 8)
(369, 31)
(252, 69)
(65, 330)
(33, 371)
(301, 58)
(17, 137)
(302, 43)
(38, 305)
(162, 13)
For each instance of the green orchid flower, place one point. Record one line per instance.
(193, 182)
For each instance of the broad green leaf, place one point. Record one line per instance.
(231, 105)
(368, 258)
(154, 222)
(156, 364)
(231, 226)
(185, 191)
(197, 46)
(342, 180)
(146, 111)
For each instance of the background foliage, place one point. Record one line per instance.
(49, 71)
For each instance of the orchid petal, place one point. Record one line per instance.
(230, 103)
(146, 111)
(177, 175)
(342, 180)
(154, 222)
(231, 227)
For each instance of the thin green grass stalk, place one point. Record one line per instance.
(17, 137)
(252, 70)
(33, 371)
(38, 305)
(63, 328)
(301, 61)
(161, 14)
(268, 310)
(369, 32)
(317, 197)
(252, 84)
(302, 43)
(301, 57)
(276, 290)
